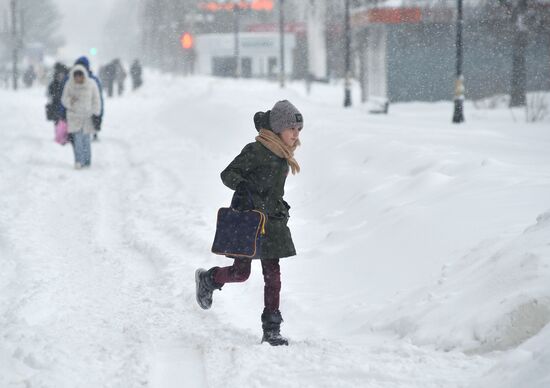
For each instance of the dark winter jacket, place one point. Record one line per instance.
(259, 174)
(135, 72)
(55, 90)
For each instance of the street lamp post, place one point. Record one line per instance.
(347, 82)
(236, 28)
(15, 42)
(282, 43)
(458, 115)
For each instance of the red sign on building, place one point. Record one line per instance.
(386, 16)
(255, 5)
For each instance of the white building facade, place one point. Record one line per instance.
(259, 54)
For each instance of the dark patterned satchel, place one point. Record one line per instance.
(239, 233)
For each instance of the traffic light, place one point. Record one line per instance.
(186, 41)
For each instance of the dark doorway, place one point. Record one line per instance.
(246, 67)
(272, 70)
(223, 66)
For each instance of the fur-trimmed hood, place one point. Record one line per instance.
(83, 70)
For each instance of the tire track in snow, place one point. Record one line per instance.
(153, 233)
(72, 263)
(176, 365)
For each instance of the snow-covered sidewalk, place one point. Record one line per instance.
(400, 223)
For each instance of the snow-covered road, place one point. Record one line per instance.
(96, 266)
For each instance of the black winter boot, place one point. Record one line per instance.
(206, 285)
(271, 324)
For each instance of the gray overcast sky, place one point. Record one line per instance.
(82, 26)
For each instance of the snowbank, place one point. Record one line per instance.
(494, 298)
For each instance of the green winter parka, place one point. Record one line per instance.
(265, 173)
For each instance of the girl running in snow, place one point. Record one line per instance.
(259, 173)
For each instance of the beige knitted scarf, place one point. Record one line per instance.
(276, 145)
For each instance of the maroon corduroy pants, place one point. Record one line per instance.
(240, 271)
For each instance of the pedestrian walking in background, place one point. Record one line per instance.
(103, 77)
(120, 76)
(107, 74)
(135, 73)
(29, 76)
(54, 107)
(258, 175)
(82, 101)
(97, 119)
